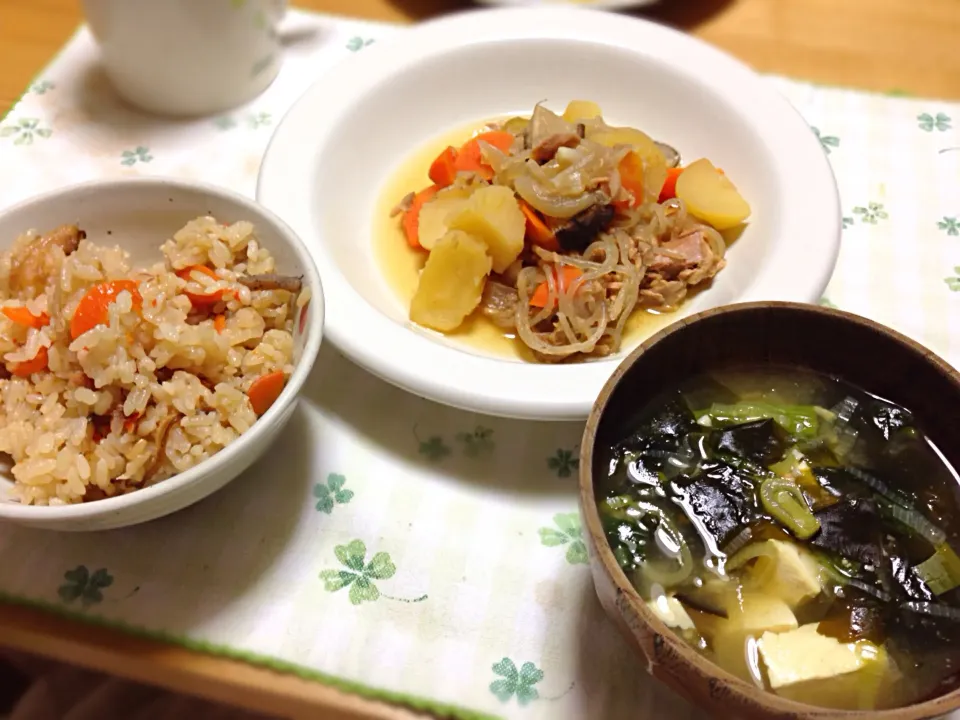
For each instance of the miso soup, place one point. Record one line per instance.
(797, 530)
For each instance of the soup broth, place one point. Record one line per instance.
(797, 530)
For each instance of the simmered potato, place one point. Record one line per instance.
(493, 215)
(580, 110)
(710, 196)
(434, 215)
(451, 282)
(654, 164)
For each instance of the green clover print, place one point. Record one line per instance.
(433, 448)
(826, 141)
(953, 282)
(257, 120)
(332, 493)
(847, 221)
(138, 154)
(225, 122)
(826, 302)
(949, 225)
(42, 87)
(25, 130)
(872, 213)
(928, 122)
(563, 462)
(477, 442)
(360, 575)
(570, 534)
(81, 585)
(355, 44)
(516, 683)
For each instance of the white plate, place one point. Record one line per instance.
(325, 167)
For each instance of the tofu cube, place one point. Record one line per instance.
(748, 619)
(804, 654)
(849, 676)
(786, 571)
(751, 614)
(671, 612)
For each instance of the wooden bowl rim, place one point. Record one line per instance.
(591, 516)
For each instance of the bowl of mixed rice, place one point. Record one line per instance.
(154, 335)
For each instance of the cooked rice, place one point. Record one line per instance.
(150, 393)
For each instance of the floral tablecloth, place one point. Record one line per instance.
(395, 547)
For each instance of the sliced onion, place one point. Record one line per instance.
(869, 589)
(918, 523)
(550, 203)
(933, 609)
(746, 554)
(683, 556)
(544, 123)
(913, 519)
(494, 157)
(740, 541)
(670, 154)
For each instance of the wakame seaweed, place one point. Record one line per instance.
(659, 430)
(762, 441)
(718, 500)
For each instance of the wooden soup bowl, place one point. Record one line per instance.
(853, 348)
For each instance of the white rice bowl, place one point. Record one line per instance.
(153, 375)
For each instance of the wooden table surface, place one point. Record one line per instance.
(904, 45)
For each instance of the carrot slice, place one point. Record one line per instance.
(22, 316)
(92, 309)
(443, 171)
(565, 278)
(220, 323)
(201, 300)
(631, 177)
(38, 363)
(537, 230)
(470, 158)
(130, 424)
(265, 390)
(669, 190)
(411, 218)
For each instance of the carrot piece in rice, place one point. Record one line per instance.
(201, 300)
(93, 306)
(265, 390)
(22, 316)
(38, 363)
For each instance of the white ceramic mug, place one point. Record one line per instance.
(188, 57)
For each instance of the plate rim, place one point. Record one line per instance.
(465, 380)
